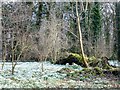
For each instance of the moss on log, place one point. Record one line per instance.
(72, 58)
(92, 61)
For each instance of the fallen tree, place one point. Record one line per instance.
(92, 61)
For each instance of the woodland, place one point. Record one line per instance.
(60, 44)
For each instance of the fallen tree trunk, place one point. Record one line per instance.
(93, 62)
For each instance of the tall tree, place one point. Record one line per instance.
(95, 25)
(118, 28)
(80, 36)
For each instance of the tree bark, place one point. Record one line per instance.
(118, 28)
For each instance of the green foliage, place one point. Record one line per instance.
(82, 78)
(96, 22)
(76, 76)
(72, 24)
(106, 66)
(86, 70)
(98, 71)
(85, 73)
(92, 71)
(92, 59)
(79, 57)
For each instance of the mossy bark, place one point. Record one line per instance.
(93, 62)
(72, 58)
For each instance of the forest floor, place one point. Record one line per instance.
(30, 75)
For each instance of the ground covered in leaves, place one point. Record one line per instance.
(30, 75)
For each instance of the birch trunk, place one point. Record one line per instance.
(80, 37)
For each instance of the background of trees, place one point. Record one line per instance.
(47, 30)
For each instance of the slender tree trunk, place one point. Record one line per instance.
(80, 37)
(12, 55)
(4, 55)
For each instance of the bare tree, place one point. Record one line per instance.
(16, 24)
(80, 33)
(51, 39)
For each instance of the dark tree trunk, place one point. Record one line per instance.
(118, 28)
